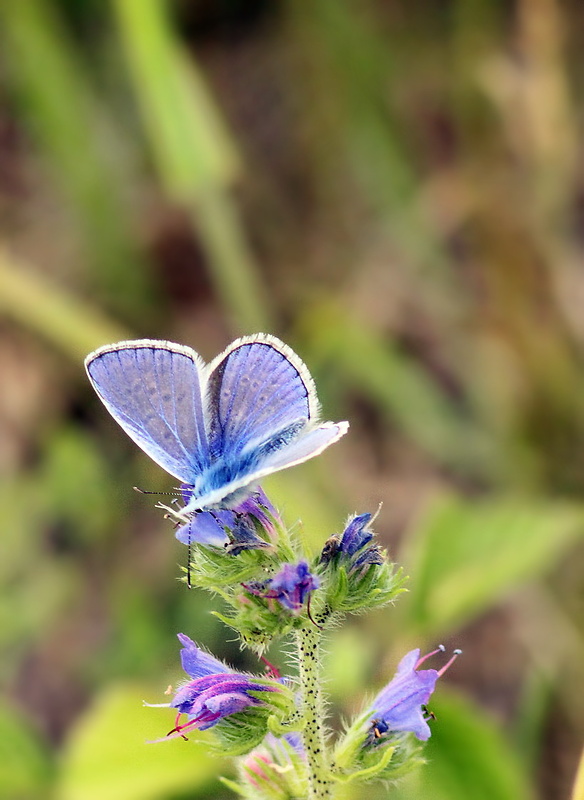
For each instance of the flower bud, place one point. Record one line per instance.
(356, 570)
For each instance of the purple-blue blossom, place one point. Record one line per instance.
(214, 692)
(400, 706)
(354, 545)
(355, 536)
(233, 529)
(290, 587)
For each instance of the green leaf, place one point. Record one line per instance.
(108, 754)
(468, 757)
(464, 555)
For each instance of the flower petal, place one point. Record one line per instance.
(196, 662)
(207, 528)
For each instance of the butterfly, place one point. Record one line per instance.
(220, 427)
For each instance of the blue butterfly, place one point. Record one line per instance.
(221, 427)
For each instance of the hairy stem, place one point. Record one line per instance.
(314, 739)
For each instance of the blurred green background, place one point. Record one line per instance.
(397, 190)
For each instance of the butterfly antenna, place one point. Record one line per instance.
(189, 553)
(310, 617)
(145, 491)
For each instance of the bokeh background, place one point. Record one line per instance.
(397, 190)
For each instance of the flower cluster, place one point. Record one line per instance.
(351, 573)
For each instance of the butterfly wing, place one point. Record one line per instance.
(258, 388)
(153, 389)
(263, 418)
(307, 445)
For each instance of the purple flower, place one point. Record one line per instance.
(400, 706)
(355, 536)
(232, 529)
(290, 586)
(353, 546)
(214, 692)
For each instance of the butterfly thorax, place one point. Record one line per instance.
(230, 465)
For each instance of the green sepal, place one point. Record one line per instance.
(239, 733)
(354, 591)
(235, 787)
(369, 772)
(213, 568)
(348, 748)
(359, 757)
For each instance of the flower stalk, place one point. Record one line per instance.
(313, 734)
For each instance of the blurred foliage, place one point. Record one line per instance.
(107, 756)
(394, 189)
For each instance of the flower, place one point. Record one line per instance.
(232, 529)
(400, 706)
(290, 586)
(353, 546)
(214, 692)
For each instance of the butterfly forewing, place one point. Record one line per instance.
(153, 390)
(256, 390)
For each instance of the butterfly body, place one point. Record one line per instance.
(220, 427)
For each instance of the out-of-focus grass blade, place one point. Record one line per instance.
(193, 151)
(464, 555)
(53, 87)
(358, 60)
(401, 388)
(63, 320)
(468, 757)
(192, 148)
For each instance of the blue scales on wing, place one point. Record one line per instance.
(261, 398)
(153, 390)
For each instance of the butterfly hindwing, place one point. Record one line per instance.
(306, 446)
(153, 390)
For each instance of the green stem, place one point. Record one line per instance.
(313, 735)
